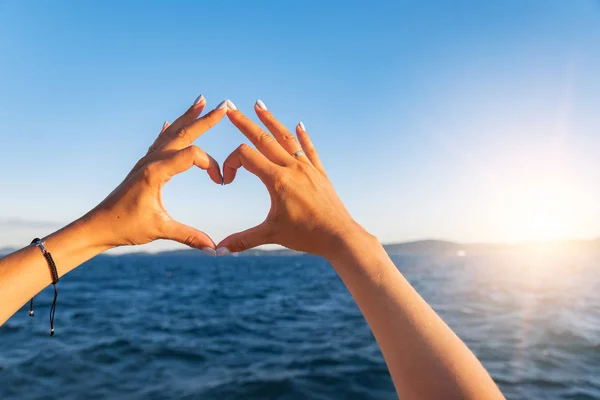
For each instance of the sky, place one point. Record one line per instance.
(461, 120)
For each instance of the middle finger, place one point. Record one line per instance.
(264, 142)
(185, 119)
(183, 137)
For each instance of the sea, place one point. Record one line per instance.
(189, 326)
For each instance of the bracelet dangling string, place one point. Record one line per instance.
(38, 242)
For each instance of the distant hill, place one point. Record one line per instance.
(6, 250)
(431, 246)
(423, 246)
(252, 252)
(446, 247)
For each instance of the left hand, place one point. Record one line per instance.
(134, 213)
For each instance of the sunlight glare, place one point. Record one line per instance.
(539, 209)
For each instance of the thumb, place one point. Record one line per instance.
(189, 236)
(244, 240)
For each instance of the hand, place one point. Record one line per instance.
(134, 212)
(306, 213)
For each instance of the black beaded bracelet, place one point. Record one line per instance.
(38, 242)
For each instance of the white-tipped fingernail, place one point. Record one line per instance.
(209, 251)
(261, 105)
(231, 106)
(301, 125)
(222, 104)
(222, 251)
(165, 124)
(199, 100)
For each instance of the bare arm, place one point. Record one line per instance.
(25, 273)
(132, 214)
(425, 358)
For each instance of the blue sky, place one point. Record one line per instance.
(462, 120)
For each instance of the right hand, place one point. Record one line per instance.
(306, 213)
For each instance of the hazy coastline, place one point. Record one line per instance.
(426, 246)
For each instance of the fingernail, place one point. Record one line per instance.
(199, 100)
(209, 251)
(222, 251)
(261, 105)
(165, 124)
(222, 181)
(223, 104)
(230, 105)
(301, 125)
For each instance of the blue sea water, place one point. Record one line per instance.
(284, 327)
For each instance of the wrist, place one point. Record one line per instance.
(353, 240)
(95, 231)
(75, 243)
(360, 258)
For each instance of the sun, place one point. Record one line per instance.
(539, 211)
(543, 217)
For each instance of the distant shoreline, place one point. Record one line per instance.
(428, 246)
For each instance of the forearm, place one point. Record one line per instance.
(25, 273)
(425, 358)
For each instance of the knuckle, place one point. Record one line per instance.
(270, 118)
(239, 120)
(243, 148)
(242, 244)
(182, 132)
(280, 181)
(264, 138)
(244, 151)
(195, 151)
(149, 172)
(302, 167)
(288, 137)
(190, 241)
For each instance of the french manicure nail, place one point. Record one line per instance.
(301, 125)
(261, 105)
(222, 251)
(198, 100)
(222, 181)
(209, 251)
(222, 104)
(165, 124)
(230, 105)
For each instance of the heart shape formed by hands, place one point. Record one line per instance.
(306, 214)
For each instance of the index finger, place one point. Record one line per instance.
(184, 159)
(247, 157)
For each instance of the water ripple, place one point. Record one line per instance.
(192, 327)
